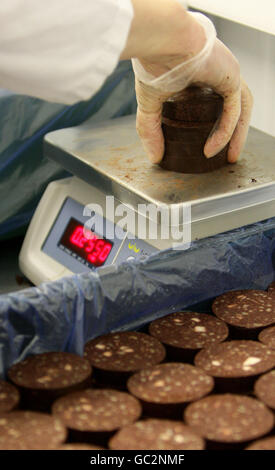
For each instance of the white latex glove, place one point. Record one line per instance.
(214, 67)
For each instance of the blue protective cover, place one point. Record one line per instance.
(63, 315)
(24, 171)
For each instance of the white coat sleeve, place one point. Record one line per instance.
(61, 50)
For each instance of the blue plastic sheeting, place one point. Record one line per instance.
(64, 314)
(24, 171)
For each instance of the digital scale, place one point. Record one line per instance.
(113, 177)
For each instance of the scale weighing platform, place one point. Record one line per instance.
(109, 164)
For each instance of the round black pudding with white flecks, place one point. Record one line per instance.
(229, 421)
(92, 416)
(236, 364)
(267, 337)
(264, 389)
(157, 434)
(30, 430)
(165, 389)
(247, 312)
(9, 396)
(114, 357)
(42, 378)
(185, 333)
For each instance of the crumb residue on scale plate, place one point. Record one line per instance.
(176, 187)
(113, 149)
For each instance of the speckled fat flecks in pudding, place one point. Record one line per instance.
(245, 308)
(267, 337)
(264, 388)
(50, 371)
(156, 434)
(189, 330)
(28, 430)
(239, 358)
(170, 383)
(97, 410)
(229, 418)
(124, 352)
(9, 396)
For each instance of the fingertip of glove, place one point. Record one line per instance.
(154, 158)
(153, 155)
(209, 153)
(233, 155)
(211, 149)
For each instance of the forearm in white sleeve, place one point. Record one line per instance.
(61, 50)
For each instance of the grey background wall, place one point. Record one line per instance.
(247, 27)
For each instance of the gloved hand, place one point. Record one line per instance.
(214, 67)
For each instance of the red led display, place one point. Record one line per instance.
(92, 248)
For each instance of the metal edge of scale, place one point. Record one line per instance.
(109, 156)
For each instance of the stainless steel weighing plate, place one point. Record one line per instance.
(110, 157)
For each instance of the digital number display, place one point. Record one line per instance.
(92, 249)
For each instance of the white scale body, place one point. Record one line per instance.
(107, 159)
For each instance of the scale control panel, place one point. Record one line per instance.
(58, 242)
(81, 250)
